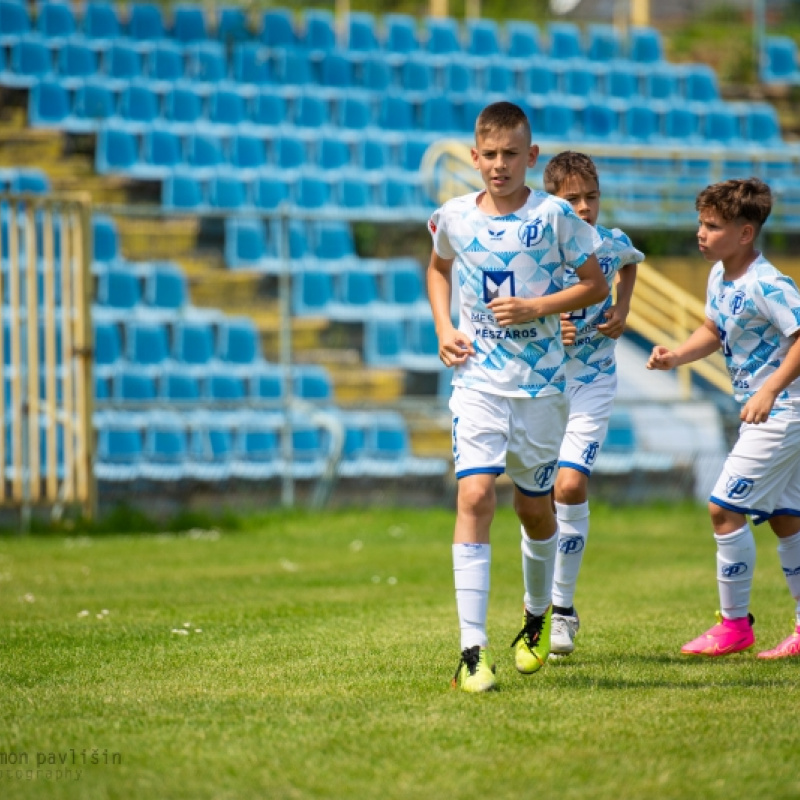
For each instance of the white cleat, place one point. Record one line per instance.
(562, 634)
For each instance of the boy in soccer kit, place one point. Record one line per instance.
(512, 248)
(591, 383)
(753, 314)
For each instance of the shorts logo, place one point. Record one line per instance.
(590, 453)
(456, 454)
(570, 545)
(732, 570)
(531, 233)
(544, 474)
(790, 573)
(497, 284)
(739, 488)
(737, 303)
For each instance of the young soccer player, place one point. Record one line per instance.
(753, 314)
(512, 248)
(591, 384)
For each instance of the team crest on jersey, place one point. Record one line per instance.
(738, 488)
(544, 474)
(606, 263)
(497, 284)
(737, 303)
(531, 232)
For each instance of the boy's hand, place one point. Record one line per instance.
(568, 331)
(512, 311)
(455, 348)
(661, 358)
(758, 407)
(614, 325)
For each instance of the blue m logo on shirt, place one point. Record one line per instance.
(497, 284)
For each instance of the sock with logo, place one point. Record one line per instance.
(736, 561)
(538, 565)
(573, 532)
(471, 568)
(789, 555)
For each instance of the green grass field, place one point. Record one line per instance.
(315, 656)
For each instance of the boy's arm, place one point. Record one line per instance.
(703, 342)
(454, 346)
(590, 289)
(758, 407)
(616, 315)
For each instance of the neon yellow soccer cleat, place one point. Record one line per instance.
(532, 645)
(474, 673)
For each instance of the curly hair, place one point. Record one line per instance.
(739, 199)
(565, 165)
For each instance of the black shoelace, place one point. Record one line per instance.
(469, 658)
(531, 631)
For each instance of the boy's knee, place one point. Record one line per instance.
(478, 498)
(571, 487)
(724, 520)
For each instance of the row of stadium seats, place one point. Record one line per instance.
(317, 29)
(201, 67)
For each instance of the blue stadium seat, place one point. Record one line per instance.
(246, 243)
(312, 382)
(443, 35)
(681, 123)
(439, 114)
(333, 241)
(421, 351)
(257, 448)
(565, 40)
(206, 63)
(700, 83)
(500, 79)
(193, 343)
(55, 21)
(761, 124)
(353, 113)
(558, 119)
(354, 191)
(182, 191)
(122, 63)
(31, 180)
(14, 21)
(309, 449)
(145, 22)
(642, 122)
(119, 450)
(164, 65)
(621, 437)
(662, 82)
(165, 287)
(390, 443)
(232, 25)
(289, 152)
(600, 121)
(251, 64)
(522, 39)
(332, 153)
(105, 239)
(310, 111)
(75, 63)
(362, 32)
(458, 77)
(227, 107)
(146, 343)
(483, 37)
(228, 191)
(270, 191)
(138, 106)
(204, 153)
(401, 33)
(402, 282)
(48, 105)
(178, 385)
(100, 23)
(580, 78)
(183, 109)
(781, 63)
(622, 80)
(30, 61)
(119, 288)
(166, 448)
(189, 24)
(412, 149)
(294, 67)
(223, 386)
(395, 113)
(645, 45)
(336, 69)
(312, 192)
(375, 73)
(130, 383)
(318, 28)
(117, 151)
(161, 153)
(238, 341)
(312, 292)
(266, 383)
(277, 29)
(603, 43)
(540, 76)
(721, 125)
(107, 343)
(384, 341)
(92, 105)
(211, 448)
(418, 74)
(247, 152)
(357, 292)
(268, 109)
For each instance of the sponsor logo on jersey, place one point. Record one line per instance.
(544, 474)
(531, 232)
(495, 235)
(570, 545)
(738, 488)
(731, 570)
(590, 453)
(497, 284)
(737, 303)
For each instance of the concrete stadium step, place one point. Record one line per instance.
(147, 239)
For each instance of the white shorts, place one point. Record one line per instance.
(761, 476)
(518, 435)
(589, 412)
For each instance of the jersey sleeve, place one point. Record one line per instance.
(577, 240)
(441, 241)
(628, 254)
(778, 299)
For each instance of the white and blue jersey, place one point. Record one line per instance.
(755, 316)
(592, 354)
(526, 254)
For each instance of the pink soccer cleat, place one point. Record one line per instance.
(727, 636)
(787, 648)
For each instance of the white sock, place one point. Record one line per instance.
(538, 565)
(573, 531)
(789, 555)
(736, 562)
(471, 568)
